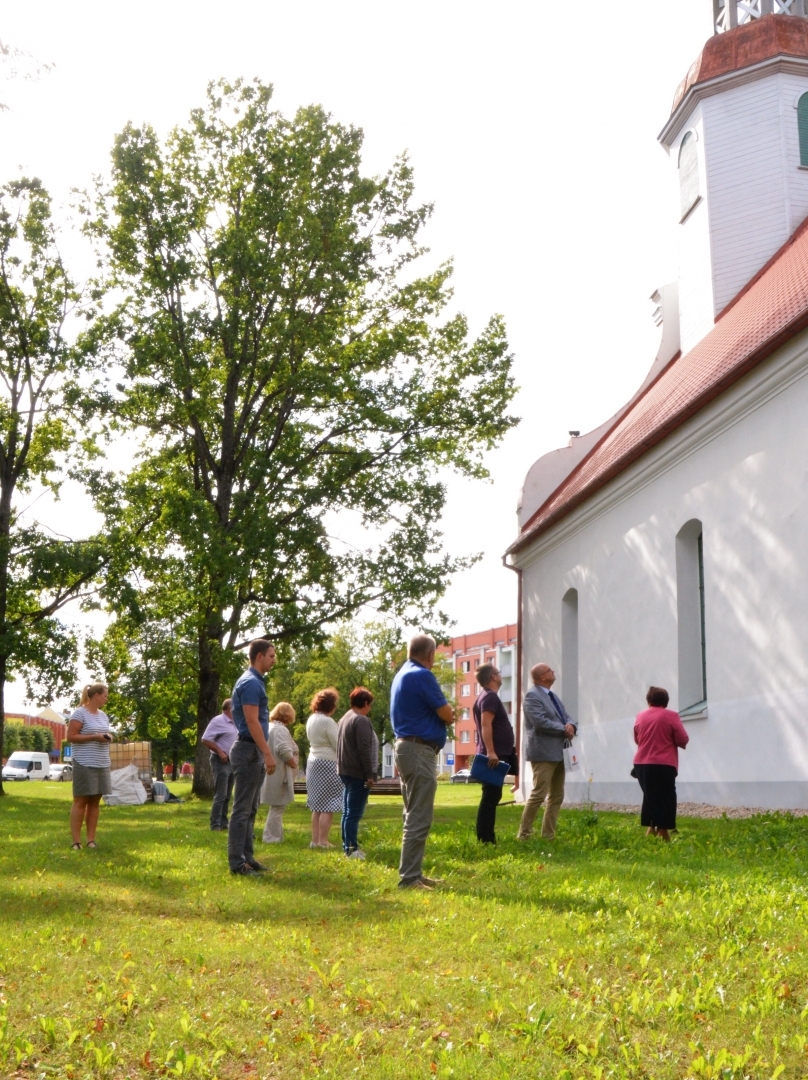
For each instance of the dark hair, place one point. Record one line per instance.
(657, 697)
(360, 697)
(325, 701)
(485, 674)
(259, 647)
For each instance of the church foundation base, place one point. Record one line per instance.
(767, 795)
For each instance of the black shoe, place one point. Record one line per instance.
(245, 870)
(258, 867)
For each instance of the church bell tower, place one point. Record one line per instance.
(738, 139)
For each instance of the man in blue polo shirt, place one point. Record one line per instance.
(420, 714)
(250, 756)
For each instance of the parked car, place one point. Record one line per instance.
(463, 777)
(61, 770)
(26, 765)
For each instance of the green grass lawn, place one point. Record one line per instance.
(601, 955)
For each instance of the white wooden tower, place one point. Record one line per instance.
(738, 138)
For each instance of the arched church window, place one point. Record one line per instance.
(569, 651)
(688, 173)
(691, 612)
(802, 128)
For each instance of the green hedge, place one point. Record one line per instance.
(18, 736)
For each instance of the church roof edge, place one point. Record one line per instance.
(765, 314)
(743, 47)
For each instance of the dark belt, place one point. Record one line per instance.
(423, 742)
(246, 737)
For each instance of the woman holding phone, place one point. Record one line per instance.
(88, 733)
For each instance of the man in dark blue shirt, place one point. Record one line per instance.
(250, 756)
(420, 714)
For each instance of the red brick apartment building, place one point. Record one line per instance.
(467, 653)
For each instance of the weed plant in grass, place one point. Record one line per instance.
(602, 955)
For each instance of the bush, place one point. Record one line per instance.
(18, 736)
(11, 738)
(42, 737)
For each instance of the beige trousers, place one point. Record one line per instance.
(273, 830)
(548, 786)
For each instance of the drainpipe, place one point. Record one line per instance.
(518, 684)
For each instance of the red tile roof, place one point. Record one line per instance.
(752, 43)
(765, 315)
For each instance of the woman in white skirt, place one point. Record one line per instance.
(278, 789)
(323, 784)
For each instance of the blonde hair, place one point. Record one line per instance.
(91, 690)
(283, 713)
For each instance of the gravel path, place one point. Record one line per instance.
(693, 809)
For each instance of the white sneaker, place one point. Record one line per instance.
(357, 854)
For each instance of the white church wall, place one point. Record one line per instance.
(696, 307)
(739, 467)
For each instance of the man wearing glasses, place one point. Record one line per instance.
(547, 725)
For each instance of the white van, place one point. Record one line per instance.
(27, 765)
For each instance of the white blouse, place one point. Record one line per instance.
(321, 731)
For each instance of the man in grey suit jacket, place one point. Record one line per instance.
(547, 725)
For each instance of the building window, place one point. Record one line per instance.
(477, 663)
(465, 666)
(802, 128)
(465, 736)
(464, 714)
(691, 612)
(569, 651)
(688, 173)
(388, 759)
(465, 690)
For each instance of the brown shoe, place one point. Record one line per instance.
(419, 883)
(432, 883)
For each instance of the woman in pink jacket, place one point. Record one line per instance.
(658, 733)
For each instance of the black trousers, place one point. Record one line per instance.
(658, 783)
(489, 801)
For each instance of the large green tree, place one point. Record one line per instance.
(284, 364)
(42, 373)
(355, 654)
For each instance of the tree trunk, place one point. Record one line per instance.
(207, 707)
(2, 713)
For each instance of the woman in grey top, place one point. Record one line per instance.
(89, 734)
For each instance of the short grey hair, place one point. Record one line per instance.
(485, 674)
(421, 647)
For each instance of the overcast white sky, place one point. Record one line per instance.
(532, 127)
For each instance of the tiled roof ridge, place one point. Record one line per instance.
(765, 316)
(593, 450)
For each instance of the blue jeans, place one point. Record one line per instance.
(354, 801)
(248, 772)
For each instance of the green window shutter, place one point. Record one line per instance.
(802, 127)
(689, 172)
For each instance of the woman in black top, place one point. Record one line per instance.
(495, 740)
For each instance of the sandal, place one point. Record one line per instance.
(92, 844)
(76, 847)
